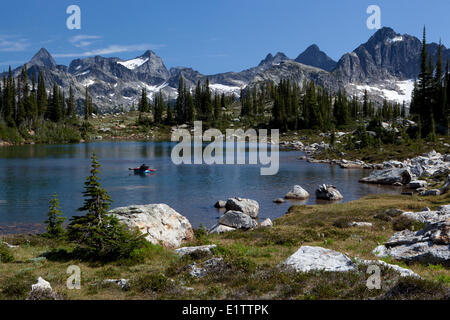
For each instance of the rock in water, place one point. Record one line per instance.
(297, 193)
(328, 192)
(316, 258)
(158, 222)
(220, 204)
(237, 219)
(247, 206)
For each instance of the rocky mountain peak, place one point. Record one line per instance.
(272, 60)
(313, 56)
(43, 59)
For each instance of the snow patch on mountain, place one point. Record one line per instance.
(133, 63)
(221, 88)
(87, 82)
(84, 73)
(396, 39)
(391, 90)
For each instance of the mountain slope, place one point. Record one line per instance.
(385, 66)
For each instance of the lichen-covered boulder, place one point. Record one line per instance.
(158, 222)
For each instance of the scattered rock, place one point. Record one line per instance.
(158, 222)
(219, 228)
(297, 193)
(200, 270)
(416, 184)
(10, 246)
(361, 224)
(220, 204)
(42, 290)
(402, 271)
(389, 176)
(238, 220)
(123, 284)
(247, 206)
(316, 258)
(278, 200)
(328, 192)
(208, 249)
(266, 223)
(446, 185)
(429, 245)
(432, 192)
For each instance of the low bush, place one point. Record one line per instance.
(405, 223)
(18, 286)
(5, 254)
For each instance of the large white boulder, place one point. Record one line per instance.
(158, 222)
(41, 285)
(316, 258)
(297, 193)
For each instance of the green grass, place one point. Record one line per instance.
(250, 268)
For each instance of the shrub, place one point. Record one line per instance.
(5, 254)
(342, 222)
(18, 286)
(403, 223)
(152, 283)
(412, 288)
(383, 216)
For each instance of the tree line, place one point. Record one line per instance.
(430, 104)
(201, 104)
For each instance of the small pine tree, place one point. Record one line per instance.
(55, 219)
(99, 235)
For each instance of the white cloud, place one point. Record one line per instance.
(12, 43)
(83, 40)
(110, 50)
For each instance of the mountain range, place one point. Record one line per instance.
(386, 66)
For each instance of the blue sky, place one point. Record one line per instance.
(210, 36)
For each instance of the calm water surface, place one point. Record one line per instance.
(30, 174)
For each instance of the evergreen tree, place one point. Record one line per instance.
(55, 108)
(55, 219)
(169, 114)
(87, 105)
(98, 235)
(143, 103)
(71, 104)
(41, 96)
